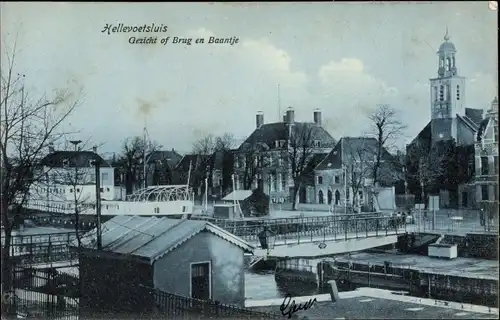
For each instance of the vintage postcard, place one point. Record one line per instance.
(249, 160)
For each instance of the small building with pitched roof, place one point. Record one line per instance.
(191, 258)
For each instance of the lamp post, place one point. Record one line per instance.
(97, 164)
(206, 194)
(75, 143)
(344, 169)
(406, 180)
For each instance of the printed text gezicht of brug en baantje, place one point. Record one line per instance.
(161, 28)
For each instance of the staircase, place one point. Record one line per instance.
(255, 260)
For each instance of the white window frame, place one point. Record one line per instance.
(209, 277)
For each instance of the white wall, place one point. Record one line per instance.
(64, 183)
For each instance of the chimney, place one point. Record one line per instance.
(259, 119)
(284, 117)
(94, 148)
(317, 117)
(290, 115)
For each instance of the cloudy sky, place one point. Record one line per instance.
(342, 58)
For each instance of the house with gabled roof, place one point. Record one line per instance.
(217, 168)
(264, 155)
(486, 161)
(70, 174)
(345, 175)
(160, 166)
(191, 258)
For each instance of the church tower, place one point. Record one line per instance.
(447, 92)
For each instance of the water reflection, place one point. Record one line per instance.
(261, 285)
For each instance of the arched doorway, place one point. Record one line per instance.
(320, 197)
(337, 197)
(330, 196)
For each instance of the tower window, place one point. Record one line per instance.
(441, 93)
(448, 64)
(458, 92)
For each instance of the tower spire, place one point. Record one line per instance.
(446, 36)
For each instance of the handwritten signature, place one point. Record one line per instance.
(288, 306)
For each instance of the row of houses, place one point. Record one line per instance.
(272, 154)
(335, 172)
(455, 155)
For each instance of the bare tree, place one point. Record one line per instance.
(428, 166)
(204, 149)
(300, 150)
(387, 128)
(210, 144)
(252, 159)
(205, 145)
(225, 142)
(28, 126)
(359, 166)
(131, 162)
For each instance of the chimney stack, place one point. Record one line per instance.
(290, 116)
(317, 117)
(94, 148)
(51, 148)
(284, 117)
(259, 119)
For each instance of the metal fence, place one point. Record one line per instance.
(41, 294)
(453, 221)
(171, 306)
(41, 248)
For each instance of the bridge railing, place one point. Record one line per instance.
(333, 229)
(40, 248)
(236, 224)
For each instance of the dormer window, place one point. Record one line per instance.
(317, 143)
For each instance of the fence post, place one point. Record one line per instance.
(31, 247)
(356, 226)
(298, 232)
(345, 230)
(366, 226)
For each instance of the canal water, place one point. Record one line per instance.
(261, 285)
